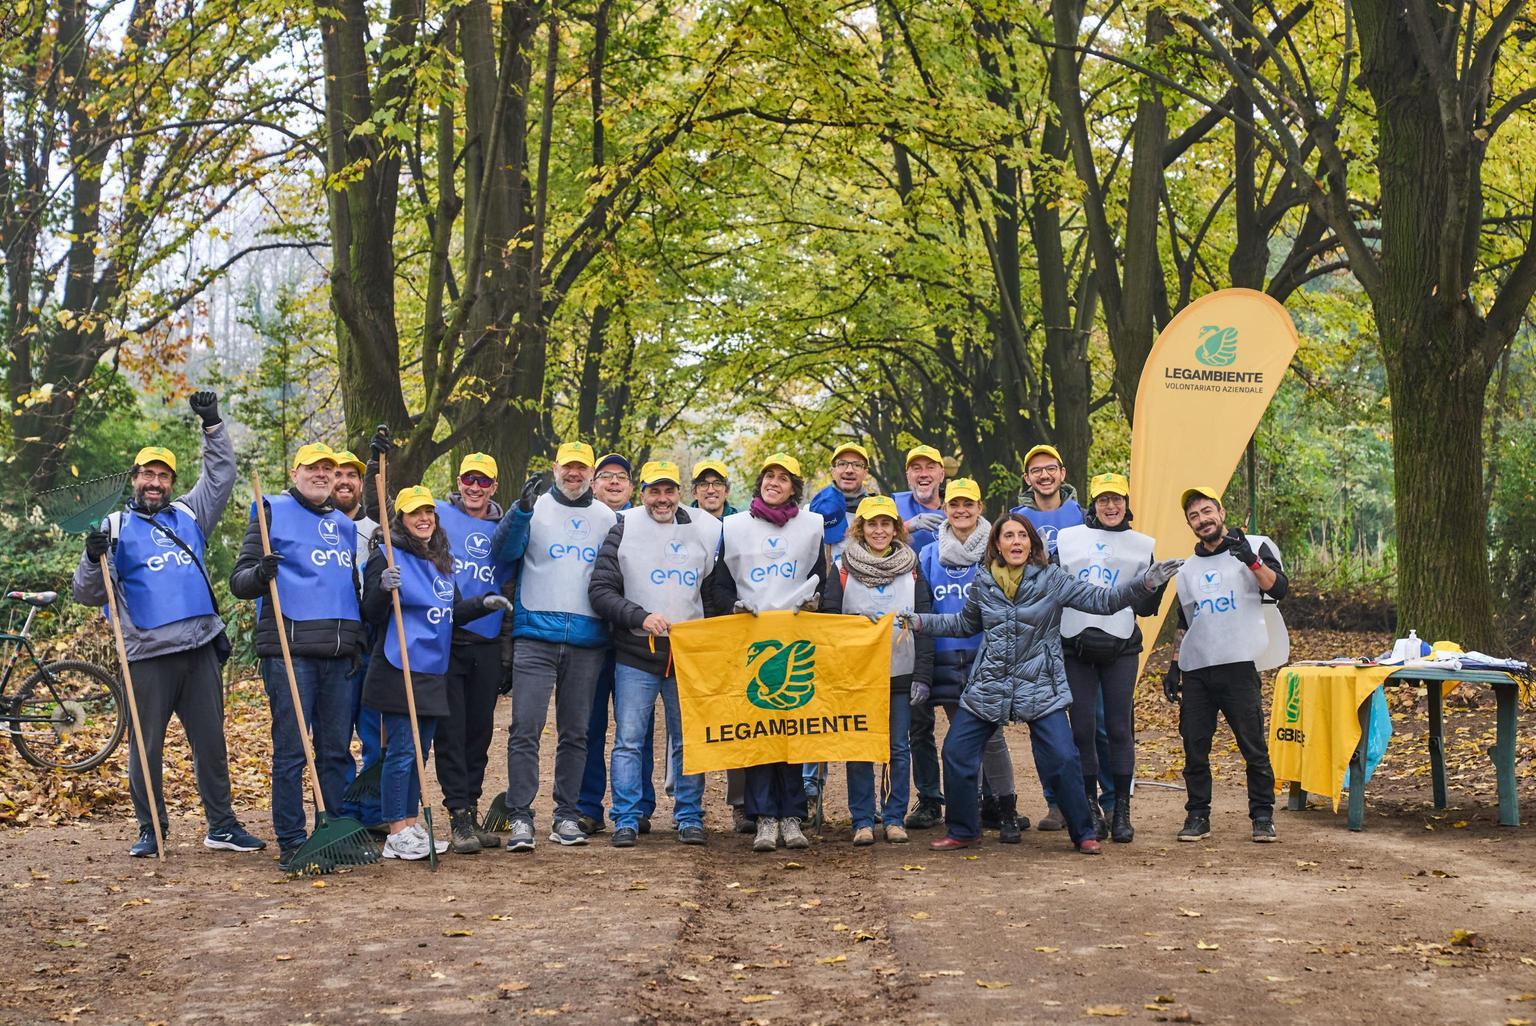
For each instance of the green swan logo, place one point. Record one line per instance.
(783, 676)
(1218, 346)
(1292, 698)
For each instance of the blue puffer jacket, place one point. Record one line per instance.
(509, 542)
(1019, 675)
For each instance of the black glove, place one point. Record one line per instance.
(1237, 544)
(534, 487)
(97, 544)
(266, 569)
(1173, 684)
(505, 687)
(206, 406)
(381, 442)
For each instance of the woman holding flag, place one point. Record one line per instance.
(1016, 602)
(429, 607)
(879, 576)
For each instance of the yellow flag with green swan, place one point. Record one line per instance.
(783, 687)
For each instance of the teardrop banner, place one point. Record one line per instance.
(782, 687)
(1204, 388)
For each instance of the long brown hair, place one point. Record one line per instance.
(434, 550)
(1038, 553)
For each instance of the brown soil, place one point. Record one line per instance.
(1426, 916)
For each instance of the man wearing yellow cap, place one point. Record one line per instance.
(838, 501)
(921, 505)
(650, 575)
(553, 534)
(712, 488)
(171, 627)
(475, 670)
(313, 561)
(1221, 632)
(1101, 652)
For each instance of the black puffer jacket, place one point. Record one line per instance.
(606, 593)
(315, 639)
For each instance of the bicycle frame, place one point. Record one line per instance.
(17, 645)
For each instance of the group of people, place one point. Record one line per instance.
(570, 594)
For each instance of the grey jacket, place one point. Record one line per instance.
(207, 500)
(1018, 673)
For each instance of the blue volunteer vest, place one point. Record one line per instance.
(474, 570)
(909, 507)
(426, 608)
(1048, 522)
(161, 583)
(315, 581)
(950, 585)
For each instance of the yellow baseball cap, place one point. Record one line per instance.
(575, 452)
(1116, 484)
(923, 452)
(347, 458)
(1199, 491)
(313, 453)
(478, 463)
(155, 454)
(1042, 450)
(962, 488)
(851, 447)
(877, 506)
(705, 466)
(784, 460)
(657, 471)
(408, 500)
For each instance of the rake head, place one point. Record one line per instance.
(335, 843)
(365, 785)
(497, 819)
(426, 817)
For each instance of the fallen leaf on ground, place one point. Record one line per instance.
(920, 916)
(1108, 1011)
(993, 984)
(794, 865)
(913, 869)
(752, 999)
(458, 933)
(1203, 946)
(506, 990)
(1191, 913)
(1466, 939)
(833, 959)
(1047, 951)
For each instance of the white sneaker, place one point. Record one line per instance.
(406, 844)
(421, 832)
(794, 838)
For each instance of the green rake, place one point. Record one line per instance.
(498, 820)
(335, 842)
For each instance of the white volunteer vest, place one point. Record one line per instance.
(1223, 607)
(897, 597)
(1107, 559)
(664, 565)
(562, 546)
(770, 563)
(1278, 652)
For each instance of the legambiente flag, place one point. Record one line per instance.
(783, 687)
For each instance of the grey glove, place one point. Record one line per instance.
(206, 406)
(744, 607)
(494, 601)
(925, 522)
(1161, 572)
(920, 693)
(911, 621)
(872, 617)
(811, 604)
(389, 580)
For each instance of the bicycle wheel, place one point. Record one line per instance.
(71, 715)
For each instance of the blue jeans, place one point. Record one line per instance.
(1055, 755)
(399, 787)
(594, 774)
(634, 715)
(811, 776)
(327, 703)
(365, 724)
(1100, 749)
(861, 775)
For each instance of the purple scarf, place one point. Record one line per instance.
(778, 516)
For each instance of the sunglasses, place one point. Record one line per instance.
(477, 480)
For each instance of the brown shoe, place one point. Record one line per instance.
(947, 843)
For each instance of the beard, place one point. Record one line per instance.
(150, 506)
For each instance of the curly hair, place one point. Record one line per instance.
(796, 485)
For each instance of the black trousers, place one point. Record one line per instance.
(190, 685)
(464, 736)
(1117, 681)
(1231, 689)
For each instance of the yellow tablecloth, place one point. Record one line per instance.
(1314, 723)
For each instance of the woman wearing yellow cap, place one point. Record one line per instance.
(880, 577)
(1100, 652)
(429, 607)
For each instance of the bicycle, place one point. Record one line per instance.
(66, 714)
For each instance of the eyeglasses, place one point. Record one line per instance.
(709, 482)
(612, 475)
(475, 480)
(850, 464)
(1048, 468)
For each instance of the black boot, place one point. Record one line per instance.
(1100, 827)
(1121, 831)
(465, 839)
(1008, 819)
(991, 819)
